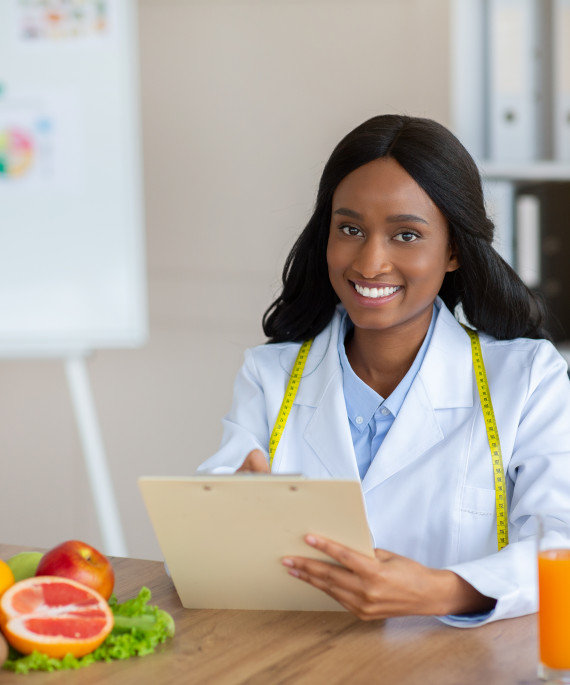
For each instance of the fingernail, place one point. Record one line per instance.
(294, 573)
(287, 562)
(310, 540)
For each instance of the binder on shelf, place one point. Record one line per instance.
(542, 237)
(499, 202)
(516, 80)
(528, 239)
(561, 78)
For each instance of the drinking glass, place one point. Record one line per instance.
(554, 597)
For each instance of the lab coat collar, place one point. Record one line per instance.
(444, 381)
(446, 371)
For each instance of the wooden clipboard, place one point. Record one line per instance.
(223, 537)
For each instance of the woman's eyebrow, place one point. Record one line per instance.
(393, 218)
(349, 212)
(396, 218)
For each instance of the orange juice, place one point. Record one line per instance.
(554, 607)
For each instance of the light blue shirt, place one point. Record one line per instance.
(371, 415)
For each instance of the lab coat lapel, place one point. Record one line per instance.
(445, 381)
(414, 431)
(328, 431)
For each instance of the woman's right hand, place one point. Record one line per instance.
(255, 462)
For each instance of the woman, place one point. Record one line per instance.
(398, 242)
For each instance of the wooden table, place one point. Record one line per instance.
(278, 647)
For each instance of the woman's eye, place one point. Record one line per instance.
(351, 230)
(407, 237)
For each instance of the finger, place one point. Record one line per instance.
(359, 563)
(258, 461)
(324, 575)
(344, 596)
(255, 462)
(323, 570)
(348, 598)
(384, 555)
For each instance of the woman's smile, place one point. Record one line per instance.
(380, 292)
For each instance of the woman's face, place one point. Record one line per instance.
(388, 248)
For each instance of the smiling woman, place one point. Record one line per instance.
(399, 247)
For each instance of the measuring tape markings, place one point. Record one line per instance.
(288, 398)
(493, 439)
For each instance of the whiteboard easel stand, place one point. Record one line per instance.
(95, 458)
(61, 300)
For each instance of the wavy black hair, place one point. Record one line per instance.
(493, 297)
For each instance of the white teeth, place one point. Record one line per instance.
(376, 292)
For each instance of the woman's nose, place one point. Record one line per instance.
(372, 259)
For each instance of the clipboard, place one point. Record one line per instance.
(223, 537)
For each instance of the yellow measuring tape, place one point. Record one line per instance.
(488, 415)
(493, 438)
(287, 403)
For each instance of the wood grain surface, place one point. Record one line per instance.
(278, 647)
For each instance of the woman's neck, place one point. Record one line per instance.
(382, 358)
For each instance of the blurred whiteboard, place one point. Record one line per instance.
(72, 272)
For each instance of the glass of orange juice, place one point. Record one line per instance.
(554, 597)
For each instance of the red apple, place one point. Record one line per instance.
(81, 562)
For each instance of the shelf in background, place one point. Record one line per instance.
(526, 171)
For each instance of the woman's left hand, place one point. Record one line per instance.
(386, 585)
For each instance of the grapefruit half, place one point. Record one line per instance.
(55, 616)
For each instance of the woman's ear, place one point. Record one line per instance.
(453, 263)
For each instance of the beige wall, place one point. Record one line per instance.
(242, 101)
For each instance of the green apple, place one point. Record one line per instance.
(24, 564)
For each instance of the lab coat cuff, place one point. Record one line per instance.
(512, 598)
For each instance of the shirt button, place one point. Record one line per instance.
(359, 419)
(385, 411)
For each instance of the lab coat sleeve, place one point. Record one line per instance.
(539, 469)
(245, 427)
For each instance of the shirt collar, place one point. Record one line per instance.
(361, 400)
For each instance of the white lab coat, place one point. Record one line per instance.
(429, 492)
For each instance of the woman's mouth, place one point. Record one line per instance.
(375, 293)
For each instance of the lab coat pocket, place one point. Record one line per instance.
(480, 501)
(478, 531)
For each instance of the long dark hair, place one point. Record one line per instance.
(493, 297)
